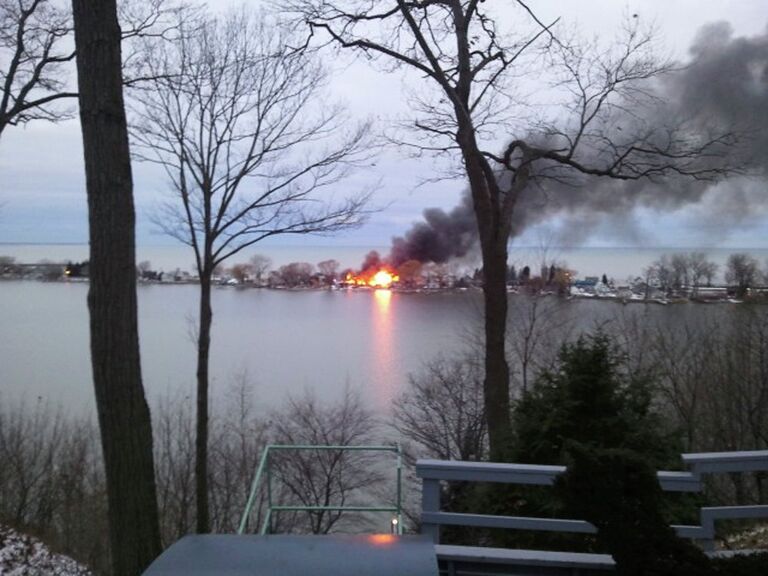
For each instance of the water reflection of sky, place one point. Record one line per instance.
(283, 342)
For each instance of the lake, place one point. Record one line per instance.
(282, 341)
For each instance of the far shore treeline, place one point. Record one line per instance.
(671, 278)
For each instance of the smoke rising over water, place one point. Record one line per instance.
(724, 86)
(441, 237)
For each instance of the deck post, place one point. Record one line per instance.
(430, 502)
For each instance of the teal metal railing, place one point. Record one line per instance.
(264, 470)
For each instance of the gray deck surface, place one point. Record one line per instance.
(288, 555)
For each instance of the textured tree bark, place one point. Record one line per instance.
(496, 383)
(124, 419)
(201, 441)
(493, 243)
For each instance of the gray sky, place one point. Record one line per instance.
(42, 195)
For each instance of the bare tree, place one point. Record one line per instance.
(538, 327)
(442, 415)
(33, 52)
(325, 478)
(329, 269)
(442, 411)
(52, 482)
(295, 274)
(260, 264)
(143, 268)
(661, 274)
(174, 429)
(714, 378)
(460, 49)
(239, 436)
(241, 272)
(124, 419)
(741, 272)
(702, 269)
(681, 272)
(36, 50)
(235, 121)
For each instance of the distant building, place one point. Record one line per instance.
(588, 282)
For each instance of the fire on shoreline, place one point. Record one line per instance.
(378, 278)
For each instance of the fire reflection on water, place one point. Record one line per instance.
(383, 347)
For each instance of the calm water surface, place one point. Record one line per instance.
(284, 341)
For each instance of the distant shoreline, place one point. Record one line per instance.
(760, 298)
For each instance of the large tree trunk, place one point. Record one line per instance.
(493, 242)
(201, 441)
(124, 420)
(496, 384)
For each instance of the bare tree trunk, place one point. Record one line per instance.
(493, 241)
(201, 442)
(496, 384)
(126, 429)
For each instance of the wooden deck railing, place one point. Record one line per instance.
(433, 472)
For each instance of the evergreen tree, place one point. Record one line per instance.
(589, 398)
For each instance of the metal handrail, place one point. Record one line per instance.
(264, 466)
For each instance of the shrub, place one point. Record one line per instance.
(618, 492)
(741, 565)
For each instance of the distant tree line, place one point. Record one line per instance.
(686, 274)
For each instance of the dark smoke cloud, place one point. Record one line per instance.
(724, 87)
(442, 236)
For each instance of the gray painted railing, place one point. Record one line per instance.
(433, 472)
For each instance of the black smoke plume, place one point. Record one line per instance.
(725, 85)
(442, 236)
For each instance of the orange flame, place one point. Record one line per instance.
(381, 278)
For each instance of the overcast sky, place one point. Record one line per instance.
(42, 195)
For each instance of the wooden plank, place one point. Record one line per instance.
(454, 470)
(734, 512)
(679, 481)
(713, 462)
(509, 522)
(528, 474)
(524, 557)
(430, 503)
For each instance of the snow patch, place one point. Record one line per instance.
(22, 555)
